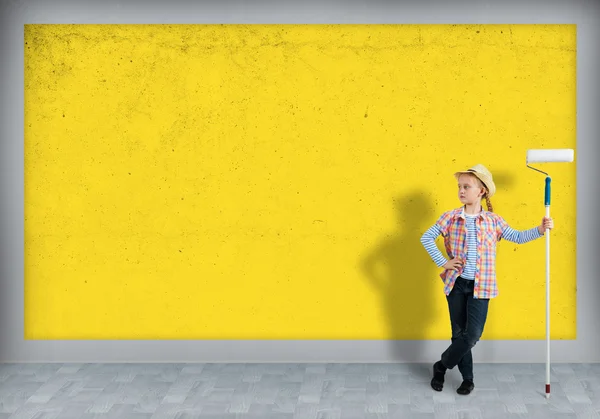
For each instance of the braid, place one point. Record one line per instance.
(488, 203)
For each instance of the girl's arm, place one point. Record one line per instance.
(520, 237)
(428, 241)
(525, 236)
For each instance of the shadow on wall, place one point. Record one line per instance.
(406, 278)
(404, 275)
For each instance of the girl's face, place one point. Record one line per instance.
(470, 190)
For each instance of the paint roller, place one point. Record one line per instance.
(562, 155)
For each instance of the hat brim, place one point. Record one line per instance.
(474, 173)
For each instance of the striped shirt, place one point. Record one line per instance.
(470, 265)
(488, 228)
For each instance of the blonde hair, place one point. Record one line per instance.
(488, 203)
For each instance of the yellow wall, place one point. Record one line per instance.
(272, 182)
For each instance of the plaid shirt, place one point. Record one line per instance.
(491, 228)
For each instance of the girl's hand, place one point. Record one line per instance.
(454, 264)
(547, 222)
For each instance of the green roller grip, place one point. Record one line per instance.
(547, 194)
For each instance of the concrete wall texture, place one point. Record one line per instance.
(256, 192)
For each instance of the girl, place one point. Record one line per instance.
(470, 236)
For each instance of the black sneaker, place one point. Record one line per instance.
(466, 387)
(437, 382)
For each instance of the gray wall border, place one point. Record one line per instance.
(14, 14)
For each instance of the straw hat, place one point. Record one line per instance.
(484, 175)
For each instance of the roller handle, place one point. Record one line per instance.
(547, 205)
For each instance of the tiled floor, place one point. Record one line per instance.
(318, 391)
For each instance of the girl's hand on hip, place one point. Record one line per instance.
(454, 264)
(547, 223)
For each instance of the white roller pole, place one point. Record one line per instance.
(548, 156)
(548, 306)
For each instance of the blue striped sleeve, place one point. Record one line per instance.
(520, 237)
(428, 241)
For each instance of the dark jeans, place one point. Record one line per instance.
(467, 317)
